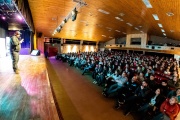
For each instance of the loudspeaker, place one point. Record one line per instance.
(149, 42)
(39, 34)
(35, 52)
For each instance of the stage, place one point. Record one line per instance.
(27, 95)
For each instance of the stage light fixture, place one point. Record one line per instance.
(59, 29)
(74, 14)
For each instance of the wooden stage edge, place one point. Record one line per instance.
(27, 95)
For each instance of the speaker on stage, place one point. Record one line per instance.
(35, 52)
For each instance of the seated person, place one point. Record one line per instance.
(175, 93)
(165, 88)
(90, 66)
(101, 76)
(152, 83)
(126, 91)
(174, 84)
(154, 103)
(140, 95)
(82, 63)
(169, 109)
(98, 69)
(119, 83)
(111, 80)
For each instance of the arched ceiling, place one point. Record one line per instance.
(93, 25)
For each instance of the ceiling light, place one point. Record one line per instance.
(124, 33)
(53, 19)
(141, 31)
(103, 11)
(103, 35)
(164, 34)
(140, 26)
(147, 3)
(99, 25)
(117, 31)
(108, 28)
(110, 37)
(59, 27)
(169, 14)
(118, 18)
(121, 14)
(172, 30)
(136, 28)
(155, 16)
(162, 30)
(160, 25)
(129, 24)
(19, 17)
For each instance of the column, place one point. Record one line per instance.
(80, 48)
(61, 45)
(97, 43)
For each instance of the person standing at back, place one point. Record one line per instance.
(15, 46)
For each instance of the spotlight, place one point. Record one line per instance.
(59, 29)
(64, 21)
(3, 18)
(74, 14)
(19, 17)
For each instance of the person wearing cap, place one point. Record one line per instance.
(15, 46)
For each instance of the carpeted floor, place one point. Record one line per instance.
(77, 97)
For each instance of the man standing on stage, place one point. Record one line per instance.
(15, 46)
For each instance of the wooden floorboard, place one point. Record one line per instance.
(77, 97)
(28, 95)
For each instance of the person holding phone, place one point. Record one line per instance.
(15, 46)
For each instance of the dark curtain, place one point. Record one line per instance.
(25, 34)
(27, 38)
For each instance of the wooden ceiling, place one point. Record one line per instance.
(92, 24)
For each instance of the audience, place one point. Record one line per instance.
(140, 82)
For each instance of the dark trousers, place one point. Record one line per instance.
(132, 103)
(15, 59)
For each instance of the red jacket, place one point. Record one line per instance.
(170, 110)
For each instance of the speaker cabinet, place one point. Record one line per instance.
(35, 53)
(39, 35)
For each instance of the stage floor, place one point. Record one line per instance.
(28, 95)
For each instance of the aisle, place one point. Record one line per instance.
(77, 97)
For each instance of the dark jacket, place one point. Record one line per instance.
(130, 86)
(14, 44)
(174, 85)
(159, 99)
(142, 92)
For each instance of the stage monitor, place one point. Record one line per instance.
(35, 52)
